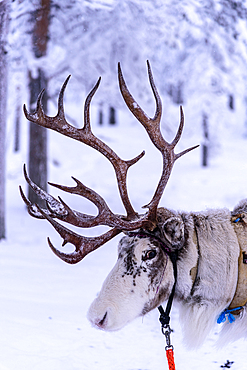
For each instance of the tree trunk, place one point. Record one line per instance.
(38, 141)
(38, 135)
(101, 115)
(205, 141)
(112, 118)
(18, 111)
(4, 21)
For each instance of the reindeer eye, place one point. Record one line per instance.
(149, 255)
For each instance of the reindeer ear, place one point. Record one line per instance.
(173, 231)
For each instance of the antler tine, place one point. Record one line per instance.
(87, 125)
(134, 106)
(81, 189)
(83, 245)
(85, 135)
(120, 166)
(152, 126)
(31, 208)
(39, 110)
(178, 136)
(53, 202)
(39, 117)
(158, 113)
(180, 129)
(59, 209)
(105, 215)
(60, 112)
(86, 245)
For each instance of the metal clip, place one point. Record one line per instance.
(166, 330)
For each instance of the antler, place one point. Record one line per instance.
(60, 210)
(85, 135)
(152, 126)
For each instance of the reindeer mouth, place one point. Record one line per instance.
(102, 323)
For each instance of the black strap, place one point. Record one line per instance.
(165, 315)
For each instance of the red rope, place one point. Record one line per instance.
(170, 359)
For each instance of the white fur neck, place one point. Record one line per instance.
(201, 300)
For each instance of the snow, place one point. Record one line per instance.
(44, 301)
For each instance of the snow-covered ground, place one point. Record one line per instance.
(44, 301)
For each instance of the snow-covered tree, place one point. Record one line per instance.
(196, 48)
(197, 51)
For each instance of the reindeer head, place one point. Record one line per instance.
(142, 277)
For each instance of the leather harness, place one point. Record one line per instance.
(240, 298)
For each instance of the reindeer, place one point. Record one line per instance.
(210, 246)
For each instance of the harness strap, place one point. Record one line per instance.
(239, 300)
(165, 315)
(240, 297)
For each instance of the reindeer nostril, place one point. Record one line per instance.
(101, 322)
